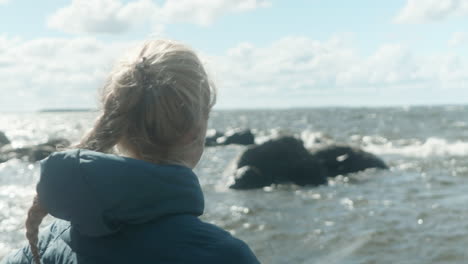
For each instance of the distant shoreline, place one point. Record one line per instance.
(241, 109)
(56, 110)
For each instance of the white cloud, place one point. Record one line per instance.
(458, 38)
(204, 12)
(53, 72)
(301, 69)
(113, 16)
(2, 2)
(101, 16)
(293, 71)
(420, 11)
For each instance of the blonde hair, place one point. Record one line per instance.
(150, 102)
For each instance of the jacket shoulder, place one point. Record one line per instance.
(233, 250)
(227, 248)
(21, 256)
(200, 242)
(49, 242)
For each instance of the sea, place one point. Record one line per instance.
(415, 212)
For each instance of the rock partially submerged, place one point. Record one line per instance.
(41, 151)
(211, 137)
(250, 177)
(286, 160)
(33, 153)
(237, 136)
(342, 159)
(3, 139)
(277, 161)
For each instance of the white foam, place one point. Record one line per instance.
(312, 139)
(431, 147)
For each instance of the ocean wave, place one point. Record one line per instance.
(431, 147)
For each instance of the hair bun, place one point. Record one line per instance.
(142, 69)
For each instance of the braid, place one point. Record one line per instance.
(121, 95)
(108, 128)
(104, 136)
(35, 215)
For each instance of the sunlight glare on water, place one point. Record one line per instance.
(413, 213)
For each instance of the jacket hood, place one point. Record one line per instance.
(99, 193)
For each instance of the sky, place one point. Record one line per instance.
(260, 53)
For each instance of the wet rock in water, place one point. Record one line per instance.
(3, 139)
(3, 157)
(240, 137)
(211, 137)
(249, 177)
(56, 143)
(7, 153)
(286, 160)
(279, 160)
(342, 159)
(41, 151)
(34, 153)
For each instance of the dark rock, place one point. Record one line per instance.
(249, 177)
(34, 153)
(279, 160)
(212, 137)
(41, 151)
(286, 160)
(240, 137)
(56, 143)
(7, 153)
(340, 159)
(3, 157)
(3, 139)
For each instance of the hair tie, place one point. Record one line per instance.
(141, 67)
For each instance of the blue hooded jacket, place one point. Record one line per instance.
(122, 210)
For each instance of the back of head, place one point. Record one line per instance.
(155, 106)
(151, 101)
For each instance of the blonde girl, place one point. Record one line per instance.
(127, 192)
